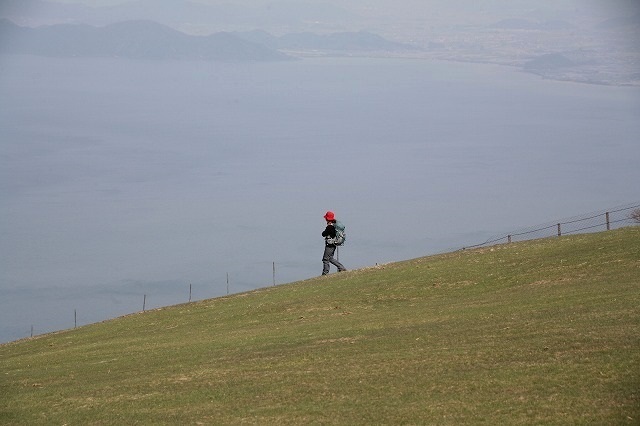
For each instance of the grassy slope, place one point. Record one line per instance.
(544, 332)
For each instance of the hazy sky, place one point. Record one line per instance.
(423, 8)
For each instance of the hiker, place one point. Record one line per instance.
(329, 235)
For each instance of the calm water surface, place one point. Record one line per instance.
(122, 178)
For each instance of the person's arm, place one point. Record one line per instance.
(329, 231)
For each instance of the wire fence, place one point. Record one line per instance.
(603, 220)
(609, 219)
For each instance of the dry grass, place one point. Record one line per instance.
(542, 332)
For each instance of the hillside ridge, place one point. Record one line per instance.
(527, 332)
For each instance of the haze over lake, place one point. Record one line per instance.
(128, 178)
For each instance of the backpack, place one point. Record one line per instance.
(341, 236)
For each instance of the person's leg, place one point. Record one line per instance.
(326, 258)
(329, 259)
(339, 265)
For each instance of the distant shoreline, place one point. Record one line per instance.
(389, 55)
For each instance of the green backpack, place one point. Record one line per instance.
(341, 236)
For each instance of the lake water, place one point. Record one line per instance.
(122, 179)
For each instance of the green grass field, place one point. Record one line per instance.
(539, 332)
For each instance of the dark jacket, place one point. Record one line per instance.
(329, 232)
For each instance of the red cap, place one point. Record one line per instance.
(329, 216)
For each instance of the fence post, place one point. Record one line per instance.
(144, 303)
(189, 292)
(75, 318)
(227, 283)
(274, 274)
(608, 223)
(559, 232)
(509, 239)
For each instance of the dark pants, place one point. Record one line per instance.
(328, 258)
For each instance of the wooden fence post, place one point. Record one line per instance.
(144, 303)
(559, 232)
(608, 223)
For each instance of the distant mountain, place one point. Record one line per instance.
(130, 39)
(342, 41)
(150, 40)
